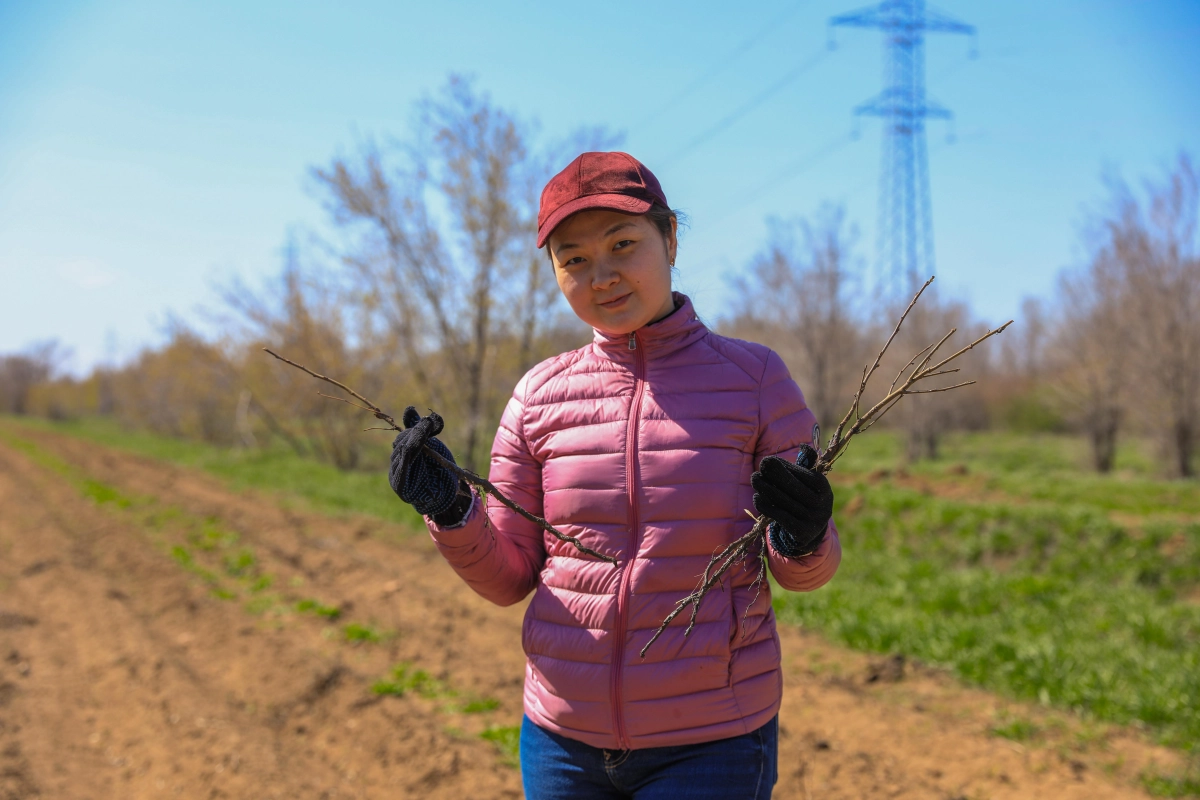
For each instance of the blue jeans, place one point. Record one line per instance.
(554, 767)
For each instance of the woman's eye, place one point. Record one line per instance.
(622, 243)
(575, 260)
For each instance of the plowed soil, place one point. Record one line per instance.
(144, 655)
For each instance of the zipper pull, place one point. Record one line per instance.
(633, 341)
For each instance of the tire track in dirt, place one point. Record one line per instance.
(288, 707)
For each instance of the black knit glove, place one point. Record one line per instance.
(432, 489)
(798, 498)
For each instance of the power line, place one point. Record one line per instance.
(813, 158)
(791, 171)
(739, 51)
(749, 106)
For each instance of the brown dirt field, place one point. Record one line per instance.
(123, 674)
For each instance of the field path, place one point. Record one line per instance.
(139, 659)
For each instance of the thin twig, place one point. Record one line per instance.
(347, 402)
(944, 372)
(942, 389)
(374, 409)
(484, 485)
(911, 361)
(925, 361)
(971, 346)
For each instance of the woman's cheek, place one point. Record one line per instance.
(578, 299)
(567, 285)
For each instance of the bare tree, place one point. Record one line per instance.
(1017, 391)
(1152, 242)
(1023, 356)
(185, 388)
(299, 312)
(799, 298)
(442, 253)
(1090, 355)
(21, 372)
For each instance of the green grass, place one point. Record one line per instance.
(241, 563)
(211, 535)
(262, 583)
(35, 454)
(1055, 604)
(1160, 785)
(1017, 729)
(480, 705)
(311, 606)
(216, 586)
(997, 452)
(405, 679)
(260, 604)
(507, 740)
(102, 494)
(320, 486)
(357, 632)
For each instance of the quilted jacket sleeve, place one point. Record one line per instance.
(785, 423)
(499, 553)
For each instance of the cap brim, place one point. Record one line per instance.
(612, 202)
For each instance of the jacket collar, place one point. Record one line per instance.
(673, 332)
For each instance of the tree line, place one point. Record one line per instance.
(1114, 351)
(427, 291)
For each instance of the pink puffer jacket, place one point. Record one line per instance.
(641, 445)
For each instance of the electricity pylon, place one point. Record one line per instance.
(905, 235)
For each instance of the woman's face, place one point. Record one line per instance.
(614, 269)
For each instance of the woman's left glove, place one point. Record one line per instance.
(432, 489)
(798, 498)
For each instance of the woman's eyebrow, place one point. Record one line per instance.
(618, 227)
(609, 232)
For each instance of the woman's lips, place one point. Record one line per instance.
(616, 302)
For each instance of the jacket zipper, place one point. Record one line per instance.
(631, 447)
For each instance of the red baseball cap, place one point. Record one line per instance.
(616, 181)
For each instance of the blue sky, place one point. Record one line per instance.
(149, 150)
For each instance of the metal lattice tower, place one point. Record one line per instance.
(905, 235)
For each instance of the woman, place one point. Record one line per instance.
(647, 445)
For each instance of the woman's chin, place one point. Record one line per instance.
(618, 322)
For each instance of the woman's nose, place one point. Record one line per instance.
(603, 276)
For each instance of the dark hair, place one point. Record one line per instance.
(661, 216)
